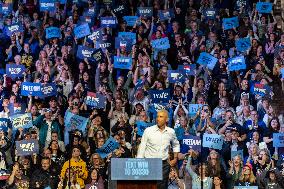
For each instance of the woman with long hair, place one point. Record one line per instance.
(218, 183)
(273, 127)
(63, 184)
(57, 156)
(214, 165)
(235, 171)
(95, 180)
(96, 162)
(247, 177)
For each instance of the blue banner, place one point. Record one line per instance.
(49, 89)
(237, 63)
(175, 76)
(5, 124)
(260, 89)
(160, 96)
(128, 35)
(214, 141)
(109, 146)
(17, 108)
(122, 62)
(141, 126)
(190, 142)
(108, 22)
(187, 69)
(278, 140)
(95, 100)
(73, 122)
(14, 70)
(179, 133)
(146, 12)
(193, 109)
(103, 44)
(6, 8)
(207, 59)
(123, 42)
(29, 88)
(47, 5)
(27, 147)
(282, 72)
(82, 31)
(130, 20)
(161, 44)
(264, 7)
(85, 52)
(210, 13)
(166, 14)
(96, 35)
(52, 32)
(230, 23)
(21, 121)
(14, 28)
(243, 44)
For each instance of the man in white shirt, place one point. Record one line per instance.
(155, 143)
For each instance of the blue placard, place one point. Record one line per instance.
(29, 88)
(210, 13)
(230, 23)
(207, 59)
(17, 108)
(49, 89)
(160, 96)
(128, 35)
(161, 44)
(14, 70)
(282, 72)
(85, 52)
(95, 100)
(145, 12)
(6, 8)
(187, 69)
(73, 122)
(179, 132)
(119, 9)
(27, 147)
(190, 142)
(214, 141)
(260, 89)
(123, 42)
(122, 62)
(102, 44)
(264, 7)
(14, 28)
(193, 109)
(175, 76)
(245, 187)
(236, 153)
(166, 14)
(96, 35)
(52, 32)
(278, 140)
(109, 146)
(21, 121)
(82, 30)
(47, 5)
(141, 126)
(243, 44)
(237, 63)
(108, 22)
(130, 20)
(5, 124)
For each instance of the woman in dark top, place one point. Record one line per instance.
(273, 127)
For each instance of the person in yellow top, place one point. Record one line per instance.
(78, 165)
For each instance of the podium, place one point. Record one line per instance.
(136, 173)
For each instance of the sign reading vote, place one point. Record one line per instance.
(190, 142)
(145, 12)
(175, 76)
(21, 121)
(122, 62)
(73, 122)
(14, 28)
(29, 88)
(52, 32)
(95, 100)
(27, 147)
(237, 63)
(260, 89)
(214, 141)
(130, 20)
(136, 169)
(119, 9)
(85, 52)
(278, 140)
(207, 59)
(161, 44)
(141, 126)
(109, 146)
(108, 22)
(264, 7)
(230, 23)
(243, 44)
(5, 124)
(193, 109)
(14, 70)
(47, 5)
(160, 96)
(82, 30)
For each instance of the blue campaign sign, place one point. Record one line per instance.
(85, 52)
(123, 42)
(108, 22)
(130, 20)
(160, 96)
(14, 28)
(161, 44)
(82, 30)
(282, 72)
(29, 88)
(146, 12)
(214, 141)
(264, 7)
(95, 100)
(206, 58)
(128, 35)
(96, 35)
(260, 89)
(190, 142)
(103, 44)
(73, 122)
(14, 70)
(179, 132)
(47, 5)
(52, 32)
(187, 69)
(122, 62)
(230, 23)
(193, 109)
(245, 187)
(27, 147)
(243, 44)
(6, 8)
(278, 140)
(141, 126)
(237, 63)
(166, 14)
(17, 108)
(5, 124)
(109, 146)
(49, 89)
(175, 76)
(21, 121)
(210, 13)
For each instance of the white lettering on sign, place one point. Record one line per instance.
(28, 147)
(15, 70)
(47, 90)
(136, 168)
(31, 88)
(13, 28)
(108, 22)
(161, 95)
(87, 53)
(47, 4)
(120, 8)
(94, 35)
(191, 142)
(144, 11)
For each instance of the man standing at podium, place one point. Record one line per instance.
(155, 143)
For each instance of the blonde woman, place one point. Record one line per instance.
(235, 170)
(247, 177)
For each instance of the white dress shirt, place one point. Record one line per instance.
(156, 143)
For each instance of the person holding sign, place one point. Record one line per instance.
(155, 143)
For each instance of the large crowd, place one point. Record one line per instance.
(69, 156)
